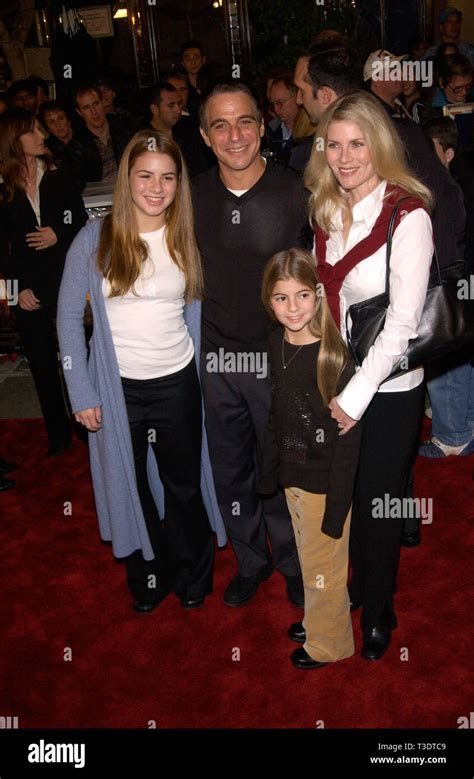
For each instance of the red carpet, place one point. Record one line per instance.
(63, 593)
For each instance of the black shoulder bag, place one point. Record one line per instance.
(446, 322)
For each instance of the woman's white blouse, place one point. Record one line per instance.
(412, 251)
(35, 200)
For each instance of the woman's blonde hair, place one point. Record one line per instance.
(121, 251)
(299, 264)
(386, 151)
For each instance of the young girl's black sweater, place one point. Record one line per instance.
(303, 447)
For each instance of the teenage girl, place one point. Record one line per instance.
(139, 395)
(305, 453)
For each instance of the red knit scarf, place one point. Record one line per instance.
(332, 276)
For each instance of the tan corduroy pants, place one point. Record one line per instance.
(324, 565)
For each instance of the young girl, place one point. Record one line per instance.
(305, 453)
(139, 395)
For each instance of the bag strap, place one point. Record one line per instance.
(388, 252)
(436, 259)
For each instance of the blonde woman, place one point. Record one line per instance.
(139, 395)
(355, 182)
(304, 453)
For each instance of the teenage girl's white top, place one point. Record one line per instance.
(412, 251)
(150, 335)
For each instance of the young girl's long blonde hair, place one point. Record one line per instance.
(386, 152)
(121, 251)
(300, 265)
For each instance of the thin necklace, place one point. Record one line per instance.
(30, 179)
(285, 365)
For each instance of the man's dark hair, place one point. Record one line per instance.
(106, 82)
(36, 82)
(334, 66)
(175, 73)
(233, 87)
(82, 89)
(444, 129)
(442, 48)
(48, 107)
(190, 45)
(454, 65)
(22, 85)
(158, 89)
(287, 80)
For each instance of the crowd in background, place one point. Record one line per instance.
(92, 128)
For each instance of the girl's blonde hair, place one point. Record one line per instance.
(121, 251)
(299, 264)
(386, 151)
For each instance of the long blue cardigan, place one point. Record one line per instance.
(96, 382)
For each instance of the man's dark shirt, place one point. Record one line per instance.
(88, 151)
(76, 157)
(194, 99)
(301, 154)
(462, 169)
(236, 237)
(280, 147)
(197, 155)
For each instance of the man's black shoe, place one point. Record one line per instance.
(297, 632)
(242, 588)
(192, 603)
(376, 643)
(7, 467)
(145, 607)
(6, 484)
(55, 450)
(411, 539)
(295, 590)
(301, 659)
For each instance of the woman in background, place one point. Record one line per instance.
(41, 211)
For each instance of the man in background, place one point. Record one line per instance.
(450, 20)
(104, 135)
